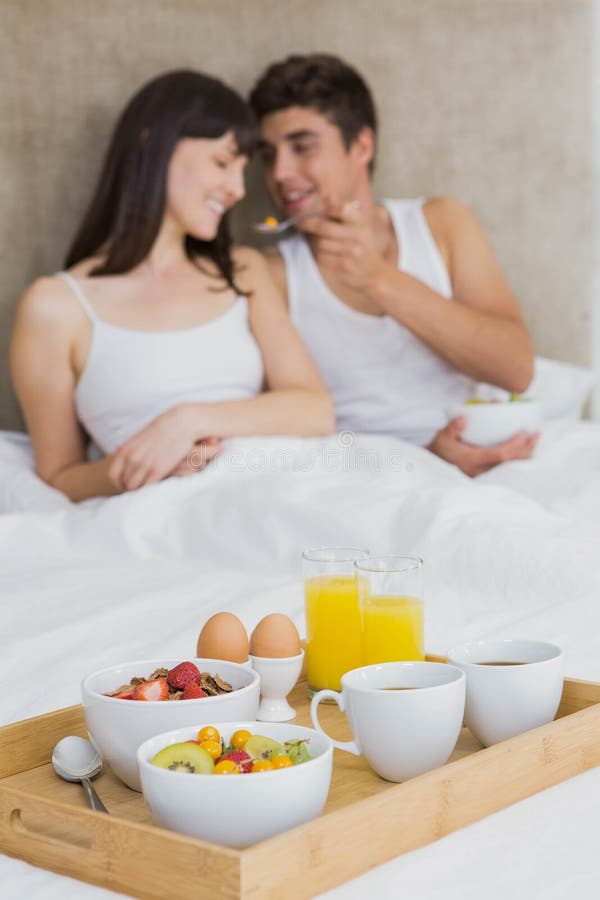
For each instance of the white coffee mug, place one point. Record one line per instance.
(405, 717)
(512, 686)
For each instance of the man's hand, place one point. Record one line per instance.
(159, 450)
(472, 460)
(345, 245)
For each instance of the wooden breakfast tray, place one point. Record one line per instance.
(366, 820)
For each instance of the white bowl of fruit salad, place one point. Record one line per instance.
(247, 782)
(495, 421)
(126, 704)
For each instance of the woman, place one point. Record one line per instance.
(159, 339)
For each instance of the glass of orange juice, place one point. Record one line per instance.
(333, 634)
(390, 592)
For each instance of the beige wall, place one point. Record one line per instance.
(490, 100)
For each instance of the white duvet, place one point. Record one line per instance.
(513, 553)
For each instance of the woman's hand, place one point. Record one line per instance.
(198, 458)
(159, 450)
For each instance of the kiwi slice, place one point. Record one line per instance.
(259, 747)
(186, 757)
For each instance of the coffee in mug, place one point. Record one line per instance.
(405, 717)
(512, 686)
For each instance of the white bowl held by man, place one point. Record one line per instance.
(512, 686)
(494, 423)
(118, 727)
(405, 717)
(238, 810)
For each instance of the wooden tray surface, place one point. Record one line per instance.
(366, 821)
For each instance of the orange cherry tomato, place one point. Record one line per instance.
(212, 747)
(239, 738)
(226, 767)
(209, 733)
(262, 765)
(281, 762)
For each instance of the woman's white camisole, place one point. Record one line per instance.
(131, 377)
(382, 378)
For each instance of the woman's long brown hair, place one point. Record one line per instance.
(127, 208)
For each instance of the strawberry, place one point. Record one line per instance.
(241, 759)
(183, 674)
(126, 694)
(151, 690)
(193, 691)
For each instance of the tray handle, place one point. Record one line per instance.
(112, 852)
(39, 832)
(66, 839)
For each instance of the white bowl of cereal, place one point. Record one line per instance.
(118, 725)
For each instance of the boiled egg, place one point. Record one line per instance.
(223, 636)
(275, 636)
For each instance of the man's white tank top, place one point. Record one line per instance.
(131, 377)
(382, 378)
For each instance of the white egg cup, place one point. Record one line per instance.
(277, 678)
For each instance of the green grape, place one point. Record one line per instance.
(297, 751)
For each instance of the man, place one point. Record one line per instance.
(401, 303)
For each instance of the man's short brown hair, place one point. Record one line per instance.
(321, 82)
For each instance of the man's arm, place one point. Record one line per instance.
(447, 443)
(481, 333)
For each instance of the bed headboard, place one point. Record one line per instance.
(490, 100)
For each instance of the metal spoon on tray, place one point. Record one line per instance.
(76, 759)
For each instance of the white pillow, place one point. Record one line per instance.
(561, 388)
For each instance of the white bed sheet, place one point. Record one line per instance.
(513, 553)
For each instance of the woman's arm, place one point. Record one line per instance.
(41, 354)
(295, 401)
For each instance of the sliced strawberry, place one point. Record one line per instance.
(124, 695)
(241, 759)
(151, 690)
(183, 674)
(193, 692)
(125, 692)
